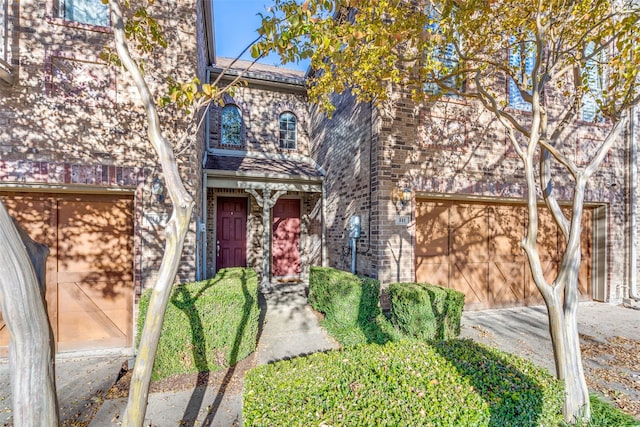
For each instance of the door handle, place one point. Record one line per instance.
(217, 247)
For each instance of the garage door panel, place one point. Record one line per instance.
(549, 236)
(90, 267)
(471, 280)
(94, 235)
(507, 229)
(94, 311)
(469, 225)
(549, 271)
(36, 215)
(432, 229)
(584, 280)
(433, 270)
(506, 283)
(478, 246)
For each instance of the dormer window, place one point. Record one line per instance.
(92, 12)
(231, 125)
(288, 131)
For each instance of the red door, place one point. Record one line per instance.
(286, 237)
(231, 232)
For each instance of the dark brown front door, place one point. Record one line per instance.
(286, 237)
(231, 232)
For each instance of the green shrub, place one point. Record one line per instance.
(350, 305)
(209, 325)
(424, 311)
(407, 383)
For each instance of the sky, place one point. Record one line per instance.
(235, 23)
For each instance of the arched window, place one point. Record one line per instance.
(288, 131)
(231, 125)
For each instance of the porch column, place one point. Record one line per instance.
(266, 202)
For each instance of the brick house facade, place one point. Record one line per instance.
(276, 187)
(275, 181)
(76, 167)
(440, 194)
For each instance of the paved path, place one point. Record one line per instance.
(289, 328)
(78, 381)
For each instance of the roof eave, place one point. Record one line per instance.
(261, 78)
(262, 176)
(209, 28)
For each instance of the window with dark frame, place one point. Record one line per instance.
(595, 79)
(231, 125)
(288, 131)
(91, 12)
(448, 57)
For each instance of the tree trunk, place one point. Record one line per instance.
(566, 350)
(175, 233)
(562, 306)
(23, 307)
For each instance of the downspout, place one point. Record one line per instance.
(324, 225)
(633, 204)
(203, 231)
(202, 227)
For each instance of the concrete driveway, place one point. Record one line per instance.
(609, 338)
(82, 379)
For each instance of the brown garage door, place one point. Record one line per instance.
(90, 267)
(475, 248)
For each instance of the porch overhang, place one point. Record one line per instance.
(246, 172)
(243, 180)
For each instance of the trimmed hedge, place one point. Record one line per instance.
(407, 383)
(209, 325)
(424, 311)
(350, 305)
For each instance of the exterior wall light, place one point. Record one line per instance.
(402, 196)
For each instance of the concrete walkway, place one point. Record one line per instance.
(289, 328)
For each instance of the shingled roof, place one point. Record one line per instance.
(260, 71)
(263, 167)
